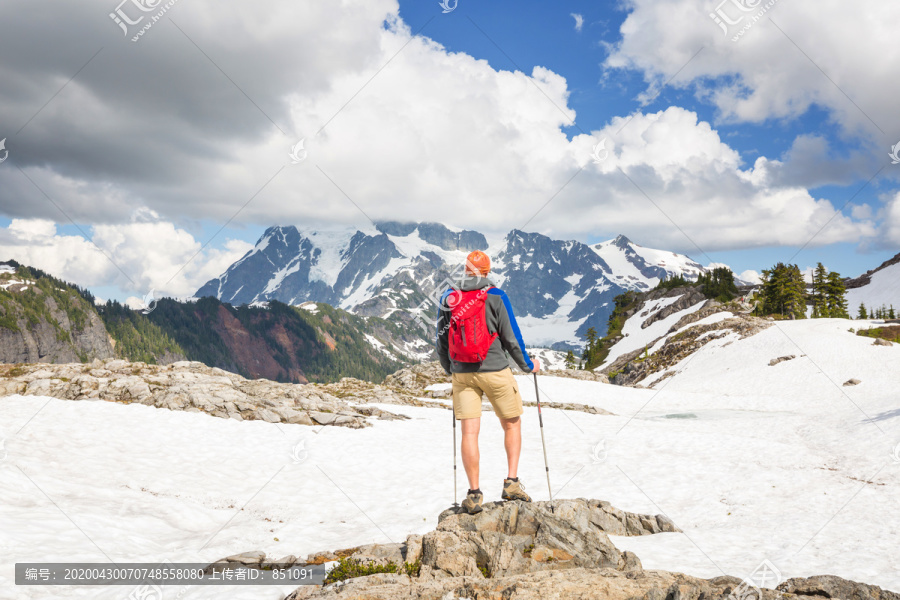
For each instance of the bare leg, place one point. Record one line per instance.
(469, 450)
(512, 441)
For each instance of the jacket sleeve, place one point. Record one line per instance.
(442, 333)
(509, 333)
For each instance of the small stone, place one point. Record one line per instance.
(852, 382)
(780, 359)
(323, 418)
(264, 414)
(246, 558)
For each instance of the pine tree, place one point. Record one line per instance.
(718, 284)
(835, 297)
(783, 291)
(588, 354)
(891, 312)
(862, 314)
(570, 360)
(819, 291)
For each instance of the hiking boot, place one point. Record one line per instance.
(514, 490)
(472, 503)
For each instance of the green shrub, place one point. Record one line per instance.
(348, 568)
(412, 569)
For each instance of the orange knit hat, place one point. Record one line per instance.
(478, 264)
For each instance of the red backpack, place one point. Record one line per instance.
(469, 338)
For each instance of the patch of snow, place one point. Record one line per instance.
(310, 306)
(438, 387)
(882, 289)
(378, 345)
(555, 327)
(636, 337)
(277, 279)
(332, 245)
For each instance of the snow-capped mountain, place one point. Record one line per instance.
(396, 270)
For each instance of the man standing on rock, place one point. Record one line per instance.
(476, 329)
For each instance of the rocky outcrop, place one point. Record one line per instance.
(635, 366)
(505, 539)
(579, 583)
(829, 586)
(49, 333)
(539, 551)
(189, 386)
(416, 378)
(689, 297)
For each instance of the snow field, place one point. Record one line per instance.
(753, 462)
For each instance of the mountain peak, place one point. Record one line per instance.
(621, 241)
(438, 234)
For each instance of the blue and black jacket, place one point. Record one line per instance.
(500, 319)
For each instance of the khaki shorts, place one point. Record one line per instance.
(499, 386)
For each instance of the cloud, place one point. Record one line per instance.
(579, 21)
(137, 256)
(157, 134)
(671, 177)
(790, 58)
(750, 276)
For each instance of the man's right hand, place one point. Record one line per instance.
(537, 365)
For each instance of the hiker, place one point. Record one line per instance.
(475, 329)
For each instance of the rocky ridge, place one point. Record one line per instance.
(635, 366)
(537, 551)
(191, 387)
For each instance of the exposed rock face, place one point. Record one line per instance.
(189, 386)
(522, 537)
(689, 297)
(680, 346)
(579, 583)
(48, 342)
(542, 551)
(632, 367)
(829, 586)
(416, 378)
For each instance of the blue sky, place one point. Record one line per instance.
(522, 35)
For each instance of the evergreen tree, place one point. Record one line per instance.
(891, 312)
(718, 284)
(862, 314)
(783, 292)
(669, 282)
(587, 355)
(835, 297)
(570, 360)
(819, 279)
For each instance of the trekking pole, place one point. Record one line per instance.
(543, 443)
(455, 503)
